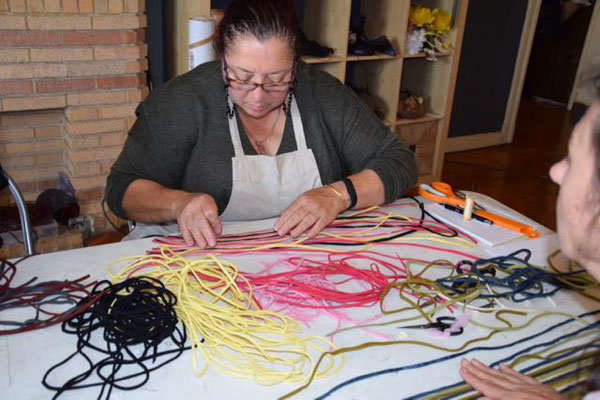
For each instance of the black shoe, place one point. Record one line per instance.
(360, 49)
(312, 48)
(368, 47)
(381, 44)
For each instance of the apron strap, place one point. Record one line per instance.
(297, 124)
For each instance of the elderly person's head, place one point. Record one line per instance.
(578, 208)
(259, 45)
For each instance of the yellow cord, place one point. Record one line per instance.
(225, 325)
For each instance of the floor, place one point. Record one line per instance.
(516, 174)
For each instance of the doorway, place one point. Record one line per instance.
(556, 51)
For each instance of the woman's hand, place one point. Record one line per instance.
(311, 212)
(504, 383)
(198, 219)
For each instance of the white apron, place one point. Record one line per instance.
(262, 186)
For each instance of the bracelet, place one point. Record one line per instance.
(351, 192)
(337, 193)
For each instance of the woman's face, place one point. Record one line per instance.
(578, 204)
(266, 62)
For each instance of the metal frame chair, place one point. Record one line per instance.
(6, 180)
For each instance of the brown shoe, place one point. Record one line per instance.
(411, 105)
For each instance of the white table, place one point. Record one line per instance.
(27, 356)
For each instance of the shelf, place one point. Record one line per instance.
(428, 117)
(321, 60)
(378, 56)
(423, 55)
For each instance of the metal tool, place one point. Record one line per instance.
(441, 192)
(441, 324)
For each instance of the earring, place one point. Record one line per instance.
(230, 108)
(288, 108)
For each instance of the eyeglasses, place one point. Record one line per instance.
(247, 86)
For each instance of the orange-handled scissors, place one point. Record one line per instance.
(441, 192)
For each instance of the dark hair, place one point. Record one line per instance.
(262, 19)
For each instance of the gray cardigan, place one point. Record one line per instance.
(181, 137)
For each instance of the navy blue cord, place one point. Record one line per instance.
(455, 355)
(518, 284)
(549, 382)
(524, 371)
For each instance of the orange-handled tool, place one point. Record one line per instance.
(509, 224)
(441, 192)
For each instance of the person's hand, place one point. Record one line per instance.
(198, 218)
(504, 383)
(310, 213)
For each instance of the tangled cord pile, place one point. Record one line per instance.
(136, 312)
(511, 277)
(216, 305)
(47, 299)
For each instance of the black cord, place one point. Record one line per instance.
(133, 317)
(424, 214)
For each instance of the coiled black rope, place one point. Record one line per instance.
(133, 318)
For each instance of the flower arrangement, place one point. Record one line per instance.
(426, 31)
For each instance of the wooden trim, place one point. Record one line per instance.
(593, 30)
(440, 145)
(471, 142)
(423, 55)
(428, 117)
(182, 11)
(516, 89)
(321, 60)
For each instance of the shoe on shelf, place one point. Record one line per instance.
(381, 44)
(312, 48)
(363, 46)
(360, 49)
(411, 105)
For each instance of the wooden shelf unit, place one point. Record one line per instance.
(423, 55)
(327, 21)
(427, 118)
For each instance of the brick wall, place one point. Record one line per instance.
(71, 75)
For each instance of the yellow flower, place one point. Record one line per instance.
(421, 16)
(441, 21)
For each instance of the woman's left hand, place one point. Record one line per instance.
(504, 383)
(310, 213)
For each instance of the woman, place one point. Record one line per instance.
(578, 209)
(280, 139)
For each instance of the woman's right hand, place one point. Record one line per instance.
(198, 218)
